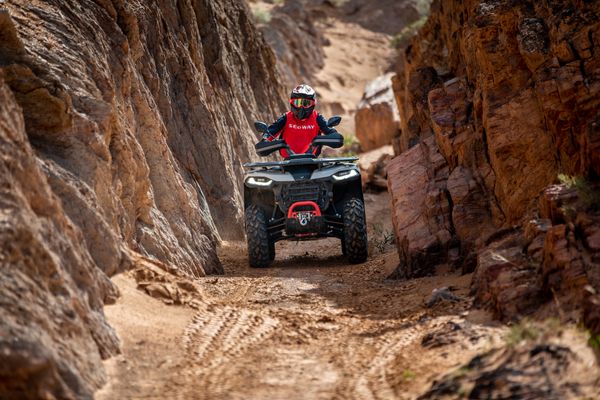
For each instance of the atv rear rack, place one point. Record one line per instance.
(300, 161)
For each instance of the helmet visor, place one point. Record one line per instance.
(302, 103)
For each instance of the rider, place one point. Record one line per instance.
(299, 126)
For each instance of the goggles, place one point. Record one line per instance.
(302, 103)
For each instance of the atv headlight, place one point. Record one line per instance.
(259, 181)
(340, 176)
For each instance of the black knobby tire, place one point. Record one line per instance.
(355, 231)
(259, 254)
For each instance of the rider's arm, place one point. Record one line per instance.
(276, 128)
(323, 126)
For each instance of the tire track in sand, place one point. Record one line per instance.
(374, 384)
(220, 335)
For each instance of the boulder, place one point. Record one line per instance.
(377, 120)
(504, 279)
(373, 165)
(544, 364)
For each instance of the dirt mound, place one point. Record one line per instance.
(163, 282)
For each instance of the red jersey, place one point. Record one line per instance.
(298, 134)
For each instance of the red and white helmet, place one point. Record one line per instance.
(302, 101)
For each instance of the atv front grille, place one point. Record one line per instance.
(305, 191)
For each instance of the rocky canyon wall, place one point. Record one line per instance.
(123, 125)
(497, 100)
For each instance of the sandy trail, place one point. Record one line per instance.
(309, 327)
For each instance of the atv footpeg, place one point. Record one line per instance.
(304, 217)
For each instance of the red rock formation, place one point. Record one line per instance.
(508, 95)
(123, 126)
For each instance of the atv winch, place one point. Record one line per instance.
(304, 217)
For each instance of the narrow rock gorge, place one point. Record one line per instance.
(123, 127)
(124, 269)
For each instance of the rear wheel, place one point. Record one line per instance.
(259, 244)
(355, 231)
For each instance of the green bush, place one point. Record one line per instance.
(262, 16)
(337, 3)
(422, 7)
(530, 331)
(401, 39)
(588, 195)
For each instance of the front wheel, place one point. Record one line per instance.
(259, 244)
(355, 231)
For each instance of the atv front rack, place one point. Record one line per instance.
(300, 161)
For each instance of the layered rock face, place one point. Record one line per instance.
(149, 109)
(507, 94)
(123, 127)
